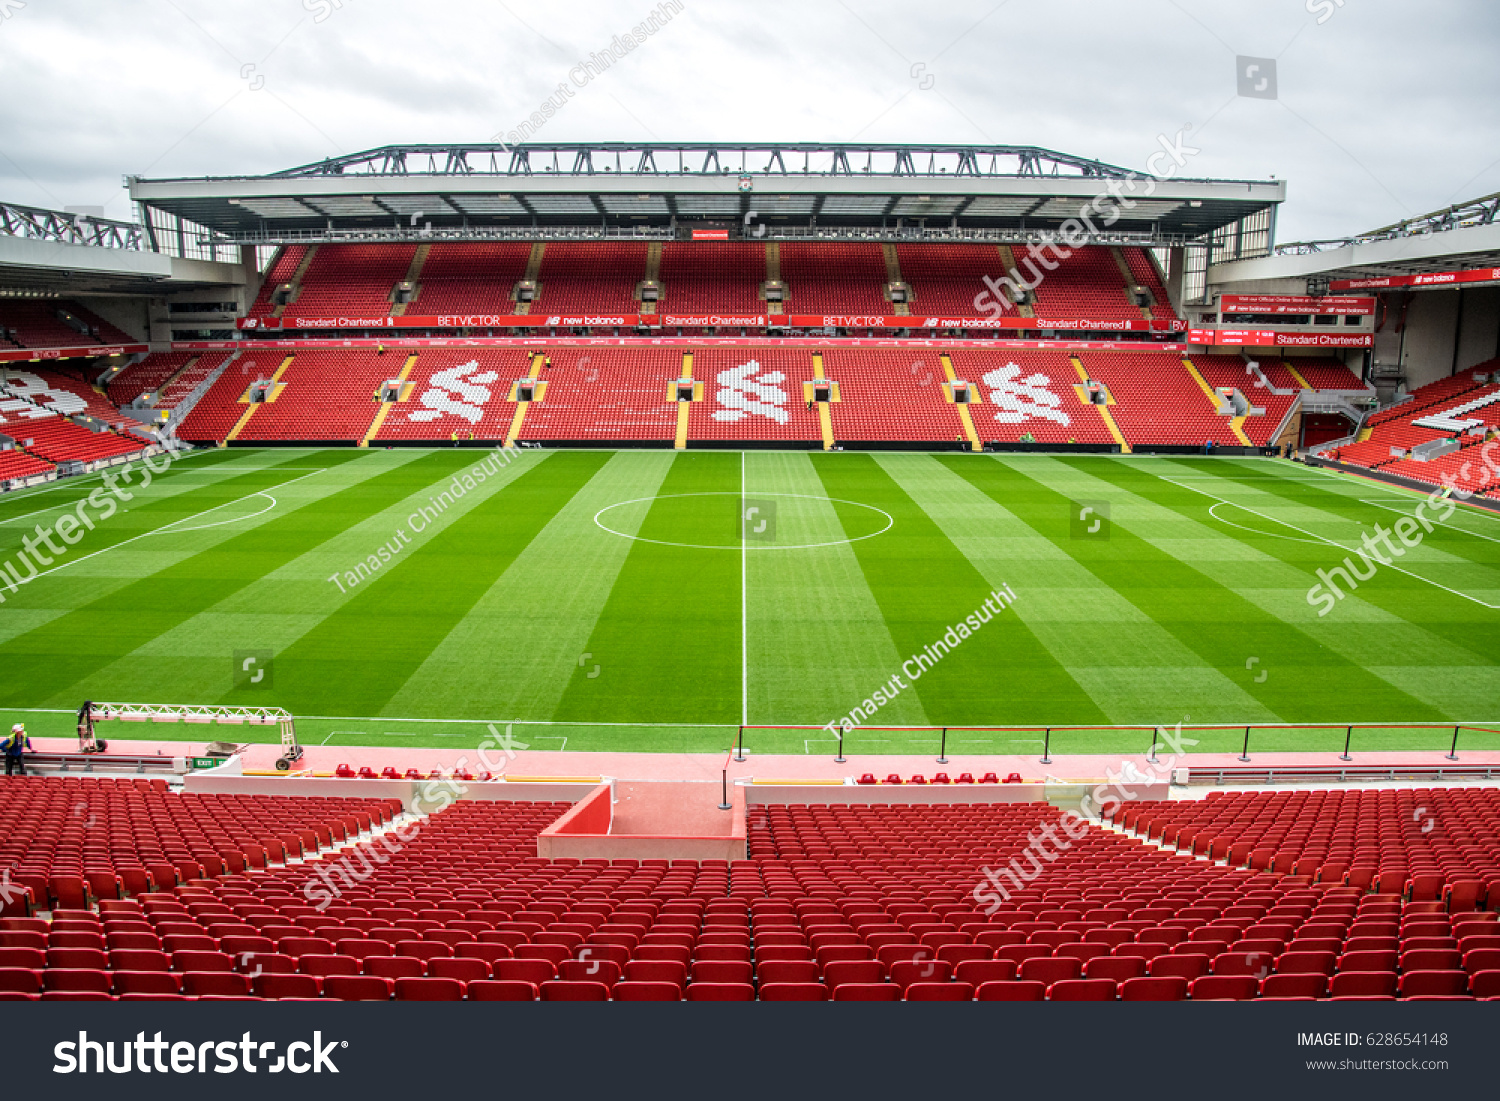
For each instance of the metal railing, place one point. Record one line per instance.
(1152, 738)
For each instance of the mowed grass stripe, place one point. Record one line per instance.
(165, 500)
(98, 563)
(1133, 668)
(1430, 644)
(1449, 556)
(65, 493)
(923, 584)
(148, 535)
(534, 623)
(1312, 682)
(817, 637)
(668, 640)
(276, 611)
(359, 657)
(1456, 681)
(53, 663)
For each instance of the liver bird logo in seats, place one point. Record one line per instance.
(459, 392)
(1019, 400)
(744, 391)
(31, 398)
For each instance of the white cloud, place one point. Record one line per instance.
(1384, 113)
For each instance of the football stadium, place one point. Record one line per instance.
(642, 571)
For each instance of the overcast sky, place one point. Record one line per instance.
(1384, 109)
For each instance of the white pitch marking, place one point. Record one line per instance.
(1441, 524)
(890, 522)
(1340, 546)
(744, 606)
(158, 531)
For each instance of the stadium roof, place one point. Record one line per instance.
(657, 191)
(44, 253)
(1459, 237)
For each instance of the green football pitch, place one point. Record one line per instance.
(615, 600)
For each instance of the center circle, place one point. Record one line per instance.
(747, 543)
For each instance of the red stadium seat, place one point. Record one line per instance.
(793, 992)
(357, 988)
(501, 990)
(1155, 989)
(563, 991)
(720, 992)
(1019, 991)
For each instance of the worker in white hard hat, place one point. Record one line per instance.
(14, 749)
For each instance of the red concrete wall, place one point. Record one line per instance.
(592, 815)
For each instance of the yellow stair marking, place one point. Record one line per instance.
(1234, 422)
(385, 406)
(1008, 262)
(414, 276)
(825, 418)
(1201, 381)
(250, 412)
(1300, 380)
(296, 281)
(537, 359)
(1129, 277)
(773, 274)
(893, 275)
(963, 410)
(684, 408)
(244, 420)
(653, 275)
(533, 270)
(1364, 434)
(191, 363)
(1103, 411)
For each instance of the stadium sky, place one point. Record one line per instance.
(1385, 109)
